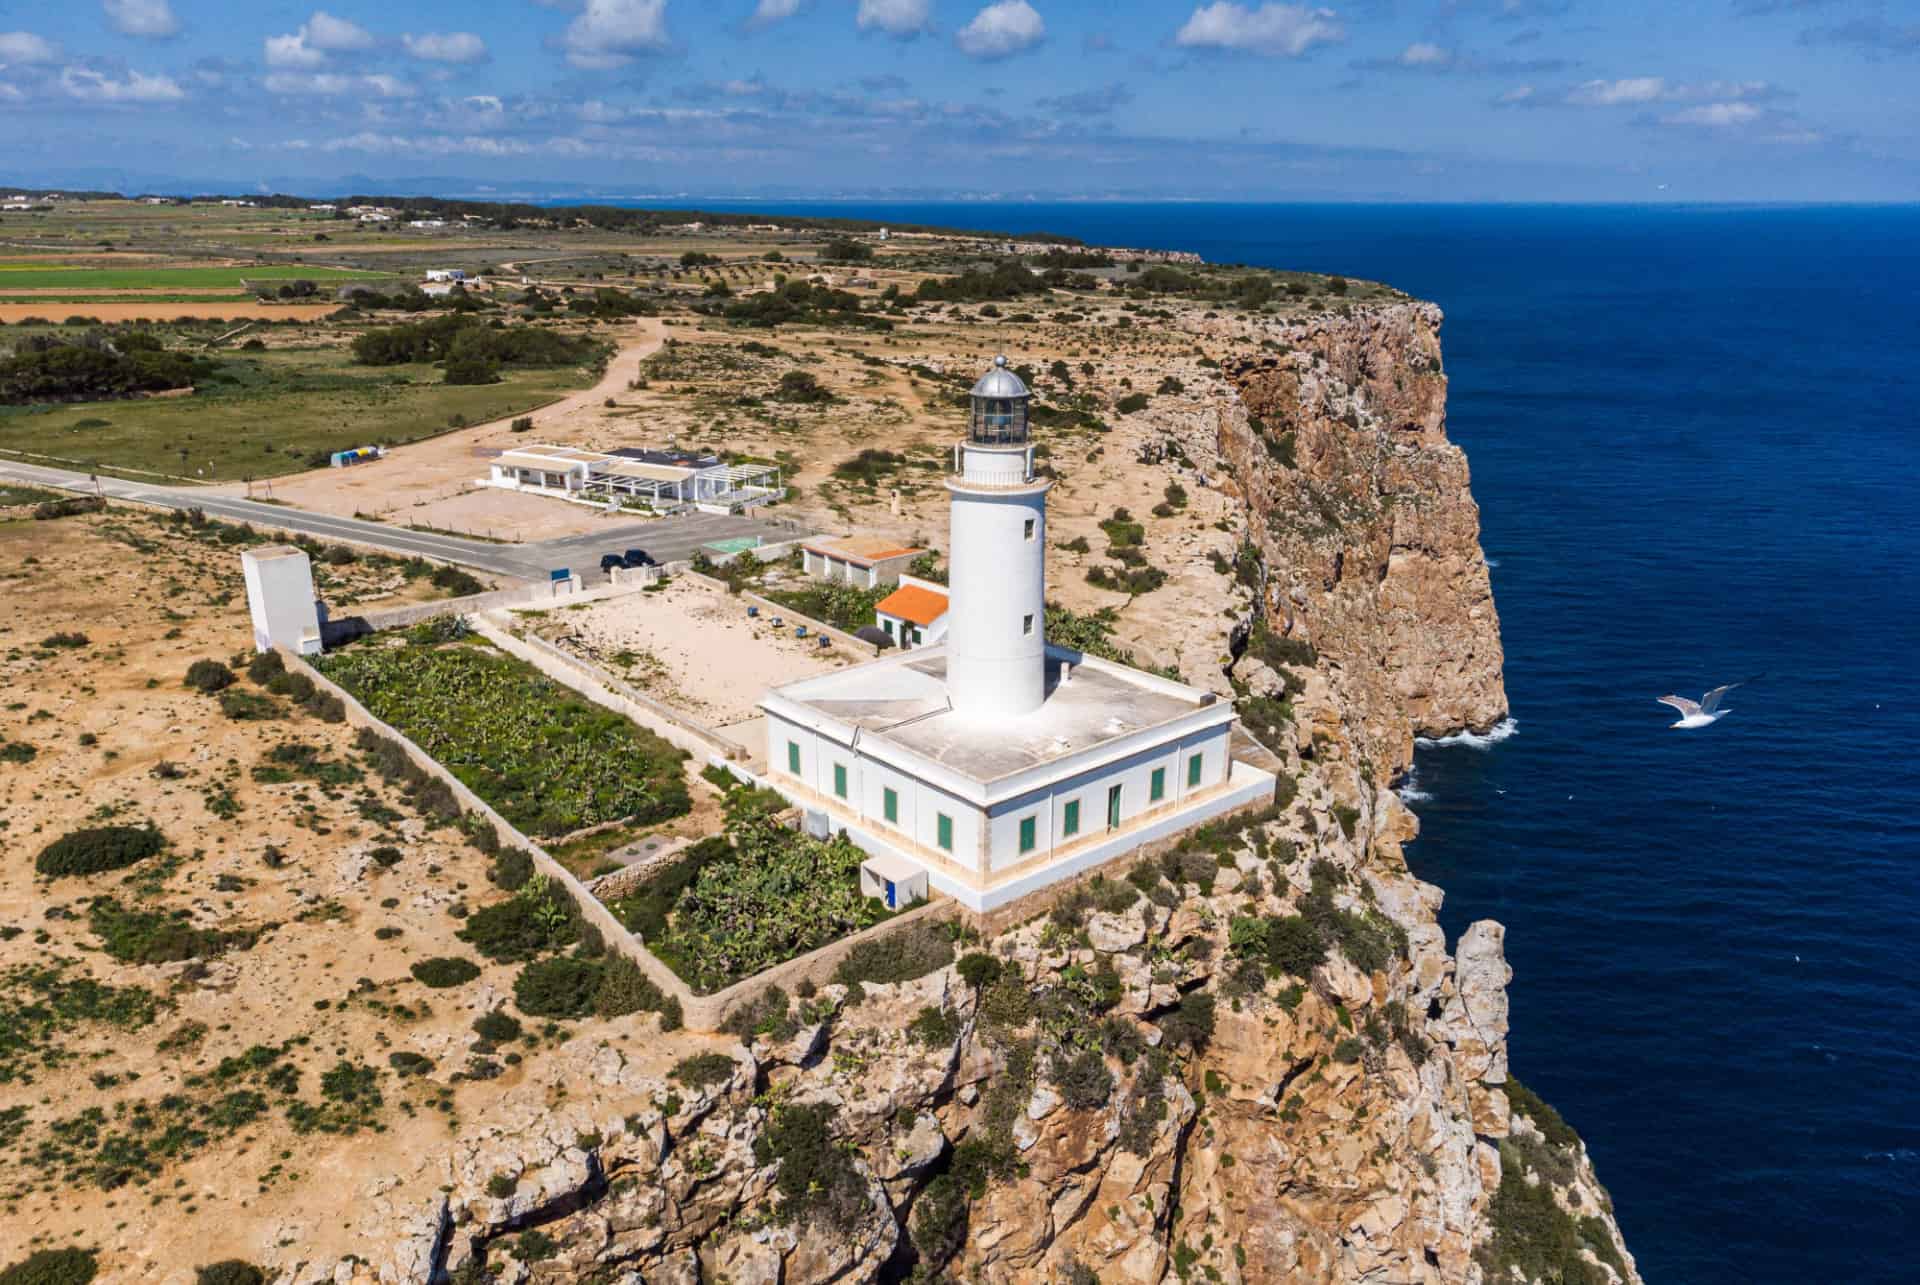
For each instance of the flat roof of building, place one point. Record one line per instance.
(862, 549)
(903, 700)
(911, 602)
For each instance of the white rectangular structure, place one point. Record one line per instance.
(281, 600)
(993, 809)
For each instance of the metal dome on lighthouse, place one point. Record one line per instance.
(996, 635)
(999, 407)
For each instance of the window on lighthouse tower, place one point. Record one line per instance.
(1026, 626)
(1029, 528)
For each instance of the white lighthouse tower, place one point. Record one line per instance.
(996, 631)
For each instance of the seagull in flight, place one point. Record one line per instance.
(1704, 711)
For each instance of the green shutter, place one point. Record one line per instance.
(1026, 834)
(840, 779)
(793, 757)
(1070, 819)
(1158, 790)
(945, 829)
(1193, 770)
(890, 804)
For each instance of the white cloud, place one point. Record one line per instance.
(1637, 90)
(769, 12)
(1001, 30)
(1518, 94)
(1422, 54)
(425, 145)
(902, 18)
(608, 33)
(93, 87)
(329, 84)
(1615, 93)
(152, 19)
(1272, 29)
(292, 51)
(446, 46)
(1714, 115)
(334, 35)
(24, 47)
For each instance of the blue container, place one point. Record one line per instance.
(752, 611)
(799, 631)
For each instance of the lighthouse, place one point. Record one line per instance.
(996, 631)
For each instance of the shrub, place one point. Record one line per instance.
(511, 868)
(624, 989)
(817, 1178)
(934, 1027)
(901, 956)
(1191, 1024)
(446, 971)
(1131, 403)
(557, 987)
(1083, 1080)
(1007, 1003)
(533, 921)
(497, 1027)
(405, 1063)
(232, 1271)
(156, 937)
(247, 706)
(386, 856)
(978, 970)
(52, 1267)
(703, 1070)
(17, 752)
(940, 1221)
(86, 852)
(263, 668)
(209, 676)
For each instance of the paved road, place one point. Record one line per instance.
(666, 539)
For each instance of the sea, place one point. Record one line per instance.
(1694, 433)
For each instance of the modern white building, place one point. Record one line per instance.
(281, 600)
(993, 762)
(662, 481)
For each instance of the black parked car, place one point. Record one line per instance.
(612, 562)
(639, 558)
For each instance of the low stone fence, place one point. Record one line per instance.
(602, 688)
(792, 617)
(347, 628)
(700, 1012)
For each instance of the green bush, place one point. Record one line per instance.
(497, 1027)
(264, 668)
(52, 1267)
(209, 676)
(624, 989)
(1083, 1080)
(385, 856)
(913, 951)
(244, 706)
(157, 937)
(446, 971)
(1131, 403)
(817, 1178)
(978, 970)
(1191, 1024)
(232, 1271)
(934, 1027)
(703, 1070)
(557, 987)
(511, 868)
(86, 852)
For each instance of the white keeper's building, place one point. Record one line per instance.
(992, 761)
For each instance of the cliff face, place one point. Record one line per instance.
(1252, 1059)
(1361, 513)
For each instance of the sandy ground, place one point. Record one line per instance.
(433, 483)
(13, 312)
(691, 646)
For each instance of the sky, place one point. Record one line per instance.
(1448, 100)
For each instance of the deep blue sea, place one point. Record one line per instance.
(1694, 441)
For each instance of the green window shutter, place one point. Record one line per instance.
(890, 805)
(1026, 834)
(793, 757)
(1070, 819)
(945, 829)
(840, 780)
(1193, 770)
(1158, 790)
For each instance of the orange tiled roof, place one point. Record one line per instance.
(863, 549)
(911, 602)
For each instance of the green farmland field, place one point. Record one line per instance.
(268, 414)
(24, 275)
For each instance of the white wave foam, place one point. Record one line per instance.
(1486, 740)
(1409, 789)
(1493, 562)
